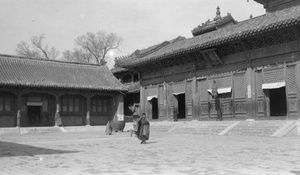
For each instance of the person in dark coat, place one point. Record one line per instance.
(143, 129)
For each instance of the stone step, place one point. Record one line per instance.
(42, 130)
(257, 128)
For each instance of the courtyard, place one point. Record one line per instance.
(86, 153)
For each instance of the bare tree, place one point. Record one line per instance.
(93, 47)
(78, 55)
(38, 50)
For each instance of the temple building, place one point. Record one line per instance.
(131, 80)
(34, 90)
(254, 63)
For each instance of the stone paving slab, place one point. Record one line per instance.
(92, 153)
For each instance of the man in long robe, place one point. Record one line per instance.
(143, 129)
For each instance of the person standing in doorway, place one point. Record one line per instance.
(143, 131)
(218, 108)
(218, 105)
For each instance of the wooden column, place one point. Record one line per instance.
(88, 108)
(57, 118)
(19, 103)
(142, 99)
(194, 99)
(250, 95)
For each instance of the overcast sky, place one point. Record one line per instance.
(141, 23)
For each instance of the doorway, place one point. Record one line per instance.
(154, 103)
(278, 105)
(34, 115)
(181, 106)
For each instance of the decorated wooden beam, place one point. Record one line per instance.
(211, 57)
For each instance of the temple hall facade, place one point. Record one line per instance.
(255, 64)
(33, 90)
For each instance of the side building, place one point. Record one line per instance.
(131, 80)
(84, 94)
(255, 64)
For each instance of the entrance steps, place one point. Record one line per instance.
(33, 130)
(258, 128)
(275, 128)
(158, 127)
(203, 127)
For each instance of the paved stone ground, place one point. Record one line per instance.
(119, 154)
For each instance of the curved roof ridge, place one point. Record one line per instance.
(16, 71)
(247, 28)
(50, 61)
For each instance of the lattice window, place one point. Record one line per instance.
(239, 85)
(291, 79)
(259, 82)
(273, 75)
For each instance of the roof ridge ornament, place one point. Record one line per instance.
(218, 14)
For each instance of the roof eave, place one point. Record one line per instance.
(213, 43)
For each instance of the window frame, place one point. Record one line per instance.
(97, 109)
(68, 105)
(4, 102)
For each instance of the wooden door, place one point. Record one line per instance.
(260, 99)
(203, 101)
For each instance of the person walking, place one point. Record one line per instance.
(143, 131)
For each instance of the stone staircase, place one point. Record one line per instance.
(257, 128)
(203, 127)
(34, 130)
(159, 127)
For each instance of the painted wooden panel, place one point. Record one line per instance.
(293, 104)
(162, 99)
(204, 107)
(179, 87)
(152, 91)
(203, 104)
(188, 97)
(240, 107)
(7, 121)
(260, 106)
(170, 100)
(227, 107)
(161, 111)
(179, 69)
(189, 108)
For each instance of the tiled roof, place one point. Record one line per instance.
(118, 70)
(18, 71)
(152, 49)
(213, 25)
(248, 28)
(134, 87)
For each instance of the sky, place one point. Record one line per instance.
(141, 23)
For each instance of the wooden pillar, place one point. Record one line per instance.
(142, 99)
(250, 96)
(57, 118)
(19, 103)
(194, 99)
(88, 108)
(119, 116)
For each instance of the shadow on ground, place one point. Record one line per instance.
(10, 149)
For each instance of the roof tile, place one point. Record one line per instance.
(18, 71)
(258, 25)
